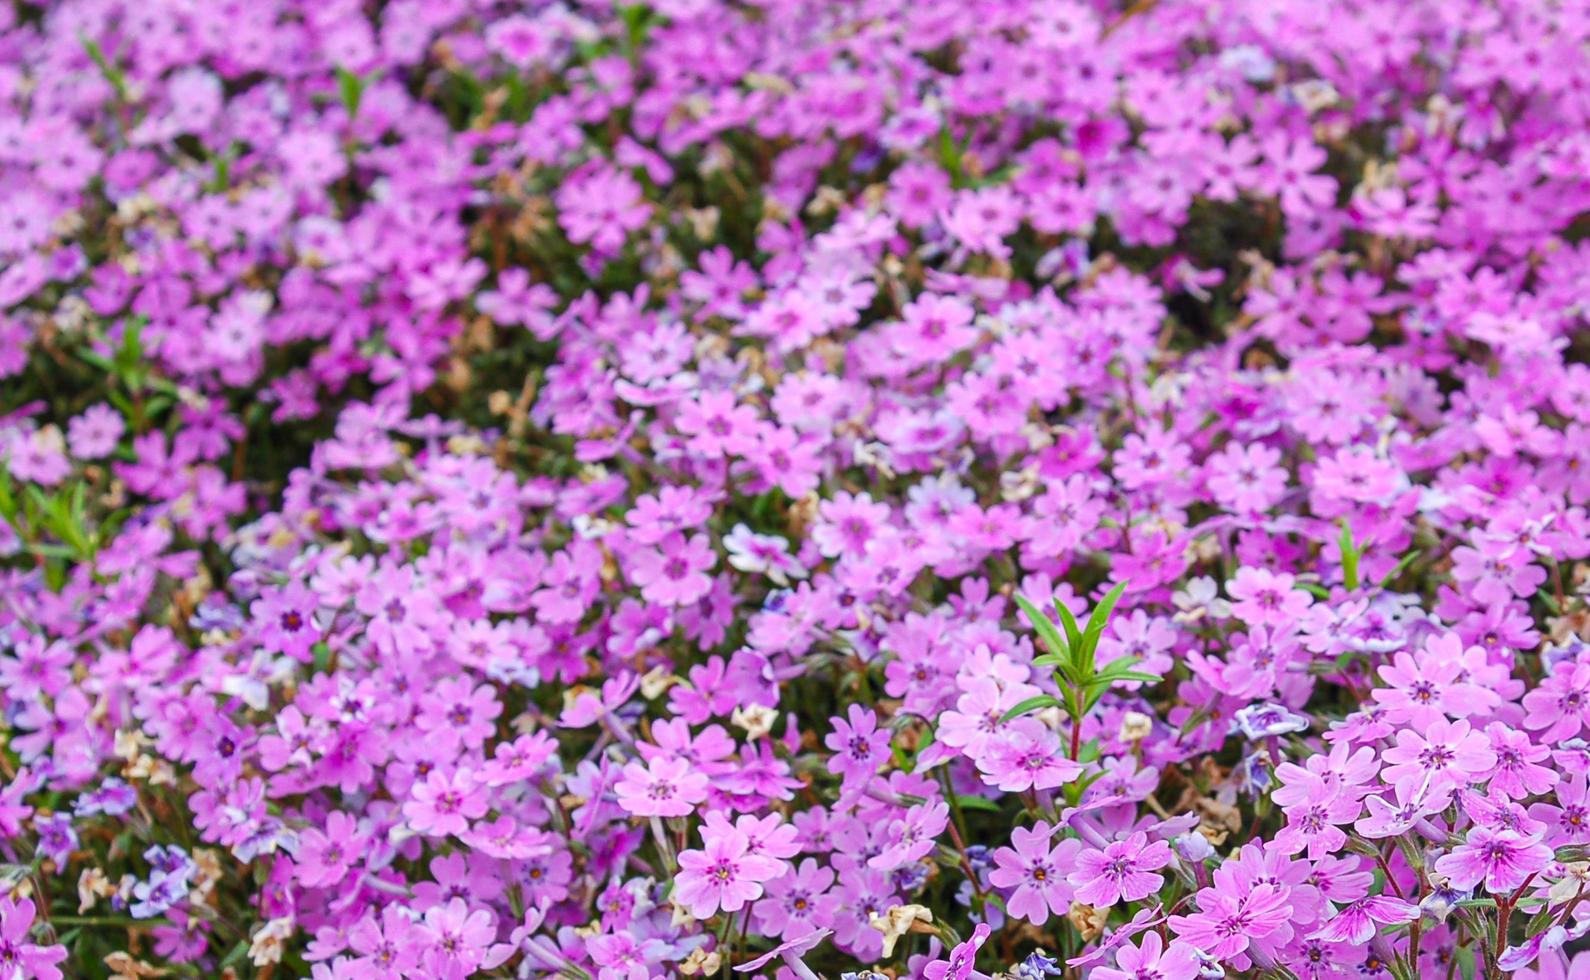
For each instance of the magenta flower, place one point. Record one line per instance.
(1560, 707)
(1445, 755)
(723, 874)
(18, 957)
(1567, 819)
(459, 712)
(1122, 871)
(1247, 479)
(1424, 688)
(674, 573)
(790, 905)
(445, 803)
(1151, 961)
(460, 941)
(1036, 872)
(1356, 923)
(1502, 859)
(1226, 923)
(859, 746)
(912, 836)
(1261, 597)
(286, 619)
(663, 787)
(1026, 755)
(1314, 810)
(94, 434)
(962, 959)
(324, 856)
(601, 207)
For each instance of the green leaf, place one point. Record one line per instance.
(1097, 621)
(949, 154)
(8, 500)
(1128, 675)
(351, 88)
(97, 360)
(1046, 629)
(1030, 705)
(1073, 632)
(1350, 556)
(1402, 566)
(236, 955)
(114, 75)
(968, 802)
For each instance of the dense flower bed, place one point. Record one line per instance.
(812, 488)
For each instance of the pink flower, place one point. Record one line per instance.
(858, 745)
(445, 803)
(790, 906)
(1502, 859)
(717, 424)
(286, 619)
(1037, 872)
(912, 836)
(663, 787)
(324, 856)
(960, 965)
(94, 434)
(1151, 961)
(1425, 687)
(723, 874)
(1313, 817)
(461, 941)
(1560, 707)
(601, 207)
(18, 957)
(1227, 922)
(1445, 756)
(675, 573)
(1026, 755)
(1261, 597)
(1120, 872)
(1356, 922)
(459, 712)
(1247, 479)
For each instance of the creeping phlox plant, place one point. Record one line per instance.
(851, 489)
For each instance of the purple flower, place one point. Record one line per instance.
(790, 951)
(723, 874)
(1356, 922)
(1226, 924)
(1036, 873)
(962, 958)
(1153, 960)
(859, 746)
(1122, 871)
(661, 788)
(1502, 859)
(18, 957)
(1026, 755)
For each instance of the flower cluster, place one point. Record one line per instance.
(798, 488)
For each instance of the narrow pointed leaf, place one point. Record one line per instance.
(1030, 705)
(1097, 621)
(1073, 632)
(1051, 636)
